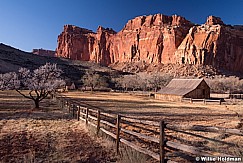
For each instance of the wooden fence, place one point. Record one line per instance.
(236, 96)
(227, 95)
(205, 101)
(149, 137)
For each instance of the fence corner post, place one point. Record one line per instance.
(162, 142)
(118, 133)
(98, 122)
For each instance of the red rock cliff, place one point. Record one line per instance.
(153, 39)
(157, 39)
(44, 52)
(213, 43)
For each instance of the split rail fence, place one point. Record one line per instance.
(152, 138)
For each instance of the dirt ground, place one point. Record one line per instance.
(145, 107)
(46, 135)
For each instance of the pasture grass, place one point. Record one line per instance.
(44, 135)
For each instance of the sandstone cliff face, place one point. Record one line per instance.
(213, 44)
(75, 43)
(157, 39)
(153, 39)
(83, 44)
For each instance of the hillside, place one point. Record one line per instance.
(12, 59)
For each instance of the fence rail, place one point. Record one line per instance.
(114, 126)
(237, 96)
(205, 101)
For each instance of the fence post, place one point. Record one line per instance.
(73, 110)
(87, 116)
(59, 102)
(118, 133)
(78, 113)
(98, 122)
(62, 103)
(69, 107)
(162, 142)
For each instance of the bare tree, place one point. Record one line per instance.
(40, 83)
(157, 81)
(221, 84)
(125, 82)
(92, 79)
(131, 82)
(142, 81)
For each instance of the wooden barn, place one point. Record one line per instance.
(184, 88)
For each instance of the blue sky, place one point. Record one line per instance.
(28, 24)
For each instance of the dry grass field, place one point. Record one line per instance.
(46, 135)
(51, 135)
(145, 107)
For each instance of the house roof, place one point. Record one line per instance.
(180, 87)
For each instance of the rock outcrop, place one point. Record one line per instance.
(44, 52)
(213, 20)
(213, 43)
(157, 39)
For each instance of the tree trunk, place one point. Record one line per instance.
(37, 104)
(155, 89)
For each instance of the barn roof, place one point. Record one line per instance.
(180, 87)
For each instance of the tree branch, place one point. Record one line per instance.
(41, 92)
(24, 95)
(37, 94)
(44, 96)
(31, 95)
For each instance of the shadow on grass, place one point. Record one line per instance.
(36, 115)
(134, 108)
(25, 109)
